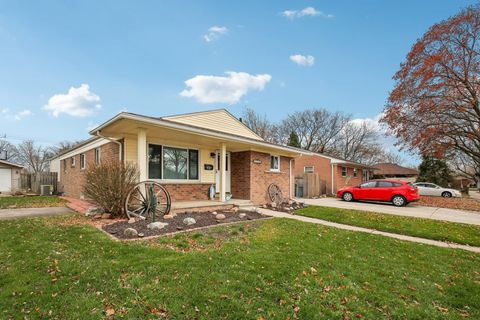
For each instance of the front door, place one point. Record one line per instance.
(227, 173)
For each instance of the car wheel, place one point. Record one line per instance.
(347, 196)
(446, 194)
(399, 201)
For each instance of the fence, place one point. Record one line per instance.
(33, 181)
(309, 185)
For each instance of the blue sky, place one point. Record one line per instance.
(137, 56)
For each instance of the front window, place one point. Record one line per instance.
(344, 171)
(82, 161)
(172, 163)
(274, 163)
(308, 169)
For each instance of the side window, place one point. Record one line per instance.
(384, 184)
(97, 155)
(72, 161)
(370, 184)
(344, 171)
(308, 169)
(274, 163)
(82, 161)
(64, 165)
(355, 172)
(396, 184)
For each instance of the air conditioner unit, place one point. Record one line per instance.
(46, 190)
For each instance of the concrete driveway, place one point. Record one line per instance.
(411, 210)
(33, 212)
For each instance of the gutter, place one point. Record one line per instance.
(120, 147)
(332, 177)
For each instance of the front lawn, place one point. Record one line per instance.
(417, 227)
(14, 202)
(271, 269)
(464, 203)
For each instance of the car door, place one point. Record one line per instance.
(365, 191)
(422, 190)
(383, 191)
(434, 190)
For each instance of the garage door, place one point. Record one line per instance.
(5, 179)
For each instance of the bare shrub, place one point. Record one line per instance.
(108, 183)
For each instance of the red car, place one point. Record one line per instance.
(400, 193)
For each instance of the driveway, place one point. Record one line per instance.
(33, 212)
(411, 210)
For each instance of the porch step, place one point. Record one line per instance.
(247, 203)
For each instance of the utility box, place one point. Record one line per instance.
(46, 190)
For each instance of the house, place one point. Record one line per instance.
(394, 171)
(187, 154)
(9, 176)
(334, 173)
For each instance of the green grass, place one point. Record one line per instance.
(271, 269)
(418, 227)
(30, 202)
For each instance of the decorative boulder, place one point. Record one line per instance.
(189, 221)
(157, 225)
(106, 216)
(141, 235)
(168, 217)
(242, 215)
(132, 220)
(273, 205)
(214, 213)
(93, 211)
(220, 216)
(130, 232)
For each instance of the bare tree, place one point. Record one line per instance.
(63, 146)
(10, 149)
(316, 129)
(260, 125)
(466, 166)
(34, 157)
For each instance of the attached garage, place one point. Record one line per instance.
(9, 176)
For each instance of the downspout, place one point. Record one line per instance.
(120, 149)
(290, 180)
(332, 178)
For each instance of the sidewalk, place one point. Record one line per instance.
(33, 212)
(436, 243)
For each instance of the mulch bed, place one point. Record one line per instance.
(203, 219)
(463, 203)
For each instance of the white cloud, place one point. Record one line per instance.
(214, 33)
(374, 122)
(78, 102)
(302, 60)
(91, 125)
(226, 89)
(305, 12)
(6, 114)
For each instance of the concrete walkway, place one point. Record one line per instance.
(436, 243)
(412, 210)
(33, 212)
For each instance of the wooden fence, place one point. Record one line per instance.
(309, 185)
(32, 181)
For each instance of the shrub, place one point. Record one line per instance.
(108, 183)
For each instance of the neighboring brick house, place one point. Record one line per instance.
(334, 173)
(184, 153)
(395, 171)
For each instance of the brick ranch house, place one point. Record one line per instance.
(334, 173)
(187, 154)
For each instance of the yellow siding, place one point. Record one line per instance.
(219, 120)
(206, 176)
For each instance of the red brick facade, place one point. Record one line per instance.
(188, 191)
(72, 178)
(251, 176)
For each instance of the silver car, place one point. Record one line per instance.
(431, 189)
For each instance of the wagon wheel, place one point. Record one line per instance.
(275, 193)
(147, 199)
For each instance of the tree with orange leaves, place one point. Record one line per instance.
(435, 104)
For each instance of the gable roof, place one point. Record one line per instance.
(218, 120)
(8, 163)
(394, 169)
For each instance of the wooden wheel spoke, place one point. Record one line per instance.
(137, 203)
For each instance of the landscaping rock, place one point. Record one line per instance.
(179, 228)
(157, 225)
(106, 216)
(264, 206)
(220, 216)
(97, 216)
(189, 221)
(234, 209)
(132, 220)
(168, 217)
(273, 205)
(242, 215)
(214, 213)
(93, 211)
(130, 232)
(141, 235)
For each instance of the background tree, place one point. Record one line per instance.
(259, 124)
(63, 146)
(10, 149)
(34, 157)
(434, 105)
(434, 170)
(293, 140)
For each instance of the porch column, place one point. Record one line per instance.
(223, 160)
(142, 153)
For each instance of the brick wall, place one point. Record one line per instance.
(349, 180)
(321, 165)
(72, 179)
(188, 191)
(250, 180)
